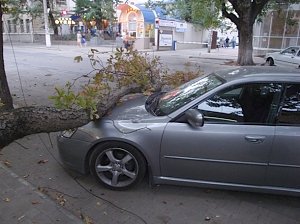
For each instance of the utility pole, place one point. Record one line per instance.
(47, 34)
(212, 9)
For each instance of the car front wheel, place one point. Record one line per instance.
(270, 61)
(118, 166)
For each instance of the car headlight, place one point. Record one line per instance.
(68, 133)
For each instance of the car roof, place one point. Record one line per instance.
(268, 73)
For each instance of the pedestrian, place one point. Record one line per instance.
(83, 40)
(226, 42)
(233, 41)
(79, 38)
(119, 41)
(126, 41)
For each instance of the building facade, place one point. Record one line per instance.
(151, 28)
(29, 29)
(278, 30)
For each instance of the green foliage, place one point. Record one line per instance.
(1, 104)
(179, 77)
(96, 10)
(201, 12)
(208, 12)
(124, 68)
(135, 68)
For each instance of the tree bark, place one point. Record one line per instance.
(5, 95)
(245, 53)
(111, 100)
(52, 19)
(17, 123)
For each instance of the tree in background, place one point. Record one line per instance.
(243, 14)
(96, 10)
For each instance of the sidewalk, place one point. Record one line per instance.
(23, 203)
(201, 53)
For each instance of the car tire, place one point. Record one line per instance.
(117, 165)
(270, 61)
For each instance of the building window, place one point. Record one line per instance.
(27, 25)
(61, 2)
(290, 112)
(22, 26)
(132, 24)
(246, 103)
(13, 26)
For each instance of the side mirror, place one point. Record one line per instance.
(195, 118)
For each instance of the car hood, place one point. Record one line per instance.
(131, 115)
(131, 107)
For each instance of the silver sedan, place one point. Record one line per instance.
(235, 129)
(287, 57)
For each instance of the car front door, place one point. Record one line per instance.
(289, 56)
(234, 144)
(284, 165)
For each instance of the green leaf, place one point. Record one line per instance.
(78, 59)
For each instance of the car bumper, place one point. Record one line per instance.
(73, 153)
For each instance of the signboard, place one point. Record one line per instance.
(167, 23)
(165, 40)
(181, 27)
(180, 30)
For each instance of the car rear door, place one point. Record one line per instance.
(234, 144)
(284, 165)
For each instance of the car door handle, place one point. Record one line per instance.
(255, 139)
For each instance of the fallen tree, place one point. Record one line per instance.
(125, 72)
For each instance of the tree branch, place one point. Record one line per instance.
(257, 7)
(230, 16)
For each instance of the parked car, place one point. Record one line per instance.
(233, 129)
(289, 56)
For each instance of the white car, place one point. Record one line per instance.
(289, 56)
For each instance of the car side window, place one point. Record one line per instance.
(290, 109)
(290, 51)
(249, 103)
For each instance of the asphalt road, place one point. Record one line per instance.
(35, 158)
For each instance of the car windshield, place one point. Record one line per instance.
(168, 102)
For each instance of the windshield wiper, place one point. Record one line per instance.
(152, 102)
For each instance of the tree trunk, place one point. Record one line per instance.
(5, 95)
(245, 44)
(52, 19)
(244, 17)
(20, 122)
(109, 102)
